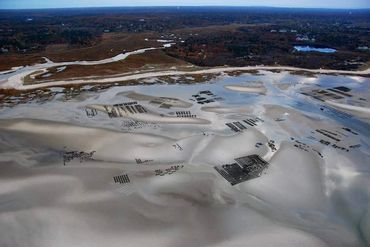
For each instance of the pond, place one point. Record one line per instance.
(314, 49)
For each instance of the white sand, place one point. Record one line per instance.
(226, 110)
(164, 40)
(260, 89)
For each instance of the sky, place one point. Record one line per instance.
(26, 4)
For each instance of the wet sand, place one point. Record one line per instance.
(311, 194)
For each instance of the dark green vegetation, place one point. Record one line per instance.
(210, 36)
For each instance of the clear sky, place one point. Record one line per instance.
(16, 4)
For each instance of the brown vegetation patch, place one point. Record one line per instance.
(9, 61)
(110, 45)
(154, 59)
(242, 72)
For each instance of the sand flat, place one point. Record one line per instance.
(81, 176)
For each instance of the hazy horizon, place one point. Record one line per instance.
(330, 4)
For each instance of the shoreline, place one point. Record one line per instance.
(16, 81)
(21, 87)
